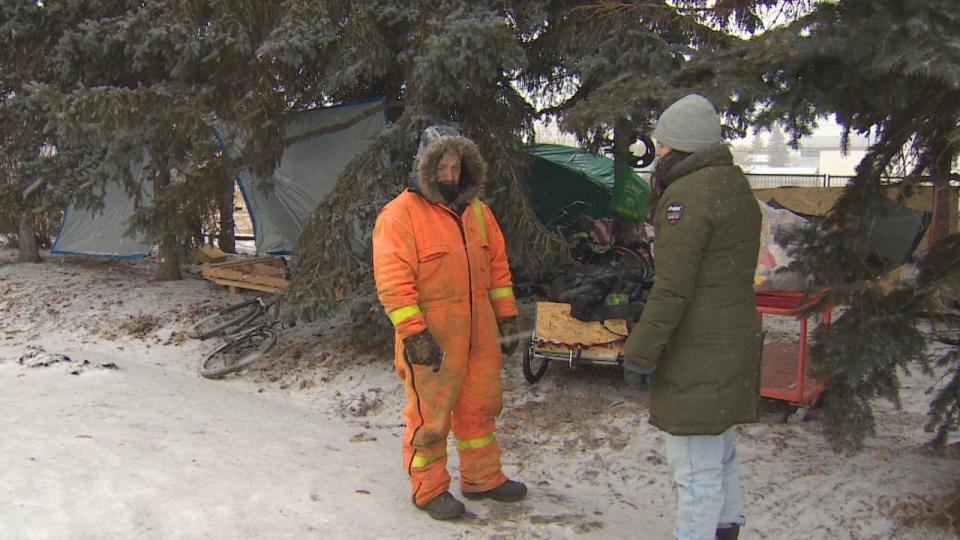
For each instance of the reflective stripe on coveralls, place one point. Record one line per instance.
(397, 316)
(475, 443)
(478, 211)
(501, 292)
(420, 461)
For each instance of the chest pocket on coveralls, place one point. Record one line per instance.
(430, 272)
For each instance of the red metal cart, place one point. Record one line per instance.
(784, 364)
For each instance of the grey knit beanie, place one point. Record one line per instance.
(689, 125)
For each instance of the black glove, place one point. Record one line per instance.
(509, 334)
(422, 350)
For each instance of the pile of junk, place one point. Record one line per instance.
(591, 305)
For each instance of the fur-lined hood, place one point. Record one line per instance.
(473, 170)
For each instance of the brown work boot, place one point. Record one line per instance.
(509, 491)
(444, 506)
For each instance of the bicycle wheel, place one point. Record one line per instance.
(533, 366)
(632, 258)
(219, 323)
(238, 354)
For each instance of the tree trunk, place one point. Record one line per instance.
(623, 137)
(225, 238)
(29, 249)
(942, 213)
(940, 222)
(169, 249)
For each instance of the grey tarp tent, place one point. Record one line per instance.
(102, 233)
(895, 232)
(308, 171)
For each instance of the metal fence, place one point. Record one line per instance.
(772, 180)
(758, 181)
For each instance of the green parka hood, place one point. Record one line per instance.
(712, 156)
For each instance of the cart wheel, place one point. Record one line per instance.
(533, 367)
(797, 416)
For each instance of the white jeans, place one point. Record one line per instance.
(707, 474)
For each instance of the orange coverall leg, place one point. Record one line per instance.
(464, 395)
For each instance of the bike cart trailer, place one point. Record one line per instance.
(559, 337)
(785, 369)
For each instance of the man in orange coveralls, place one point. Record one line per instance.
(440, 264)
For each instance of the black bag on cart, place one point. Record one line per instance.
(586, 309)
(602, 292)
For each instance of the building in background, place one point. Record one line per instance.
(819, 160)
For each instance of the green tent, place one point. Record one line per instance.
(562, 175)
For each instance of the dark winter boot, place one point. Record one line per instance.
(728, 533)
(509, 491)
(443, 506)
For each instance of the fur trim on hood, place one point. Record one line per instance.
(473, 170)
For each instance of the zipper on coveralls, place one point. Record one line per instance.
(466, 251)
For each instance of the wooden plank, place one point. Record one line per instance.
(242, 262)
(266, 280)
(208, 254)
(260, 269)
(245, 285)
(267, 270)
(259, 273)
(247, 277)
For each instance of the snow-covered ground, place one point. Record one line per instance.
(107, 431)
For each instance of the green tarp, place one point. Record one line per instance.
(562, 175)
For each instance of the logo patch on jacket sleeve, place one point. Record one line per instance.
(674, 212)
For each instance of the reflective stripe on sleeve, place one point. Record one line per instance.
(478, 210)
(500, 292)
(475, 443)
(399, 315)
(422, 461)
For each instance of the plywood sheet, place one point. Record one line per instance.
(559, 331)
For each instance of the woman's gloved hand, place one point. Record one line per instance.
(509, 334)
(422, 350)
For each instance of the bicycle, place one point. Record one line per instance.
(638, 258)
(577, 227)
(247, 331)
(570, 217)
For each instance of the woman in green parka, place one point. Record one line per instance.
(699, 334)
